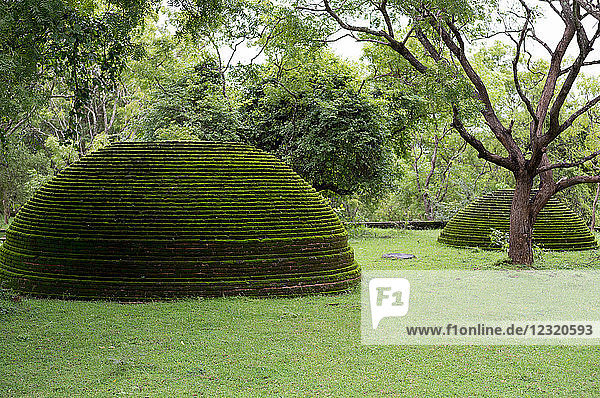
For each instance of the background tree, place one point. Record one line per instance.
(189, 103)
(300, 103)
(58, 49)
(314, 116)
(21, 172)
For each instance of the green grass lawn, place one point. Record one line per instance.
(310, 346)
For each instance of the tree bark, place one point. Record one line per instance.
(521, 222)
(429, 214)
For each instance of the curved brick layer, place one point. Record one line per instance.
(557, 227)
(173, 219)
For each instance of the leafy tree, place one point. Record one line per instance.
(436, 47)
(21, 169)
(315, 117)
(192, 104)
(269, 30)
(81, 45)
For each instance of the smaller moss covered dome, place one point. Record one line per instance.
(557, 227)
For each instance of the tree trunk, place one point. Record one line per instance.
(428, 208)
(520, 248)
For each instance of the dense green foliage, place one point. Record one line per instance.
(83, 45)
(190, 104)
(316, 118)
(21, 172)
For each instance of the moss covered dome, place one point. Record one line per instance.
(171, 219)
(557, 227)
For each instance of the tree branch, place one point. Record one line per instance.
(441, 193)
(433, 161)
(569, 182)
(590, 104)
(397, 46)
(539, 141)
(542, 43)
(427, 45)
(482, 152)
(584, 49)
(265, 44)
(566, 165)
(589, 63)
(592, 9)
(502, 133)
(386, 17)
(515, 64)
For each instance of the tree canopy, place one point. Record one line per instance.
(45, 44)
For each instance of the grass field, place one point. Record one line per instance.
(240, 347)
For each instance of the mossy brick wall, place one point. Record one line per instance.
(557, 227)
(172, 219)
